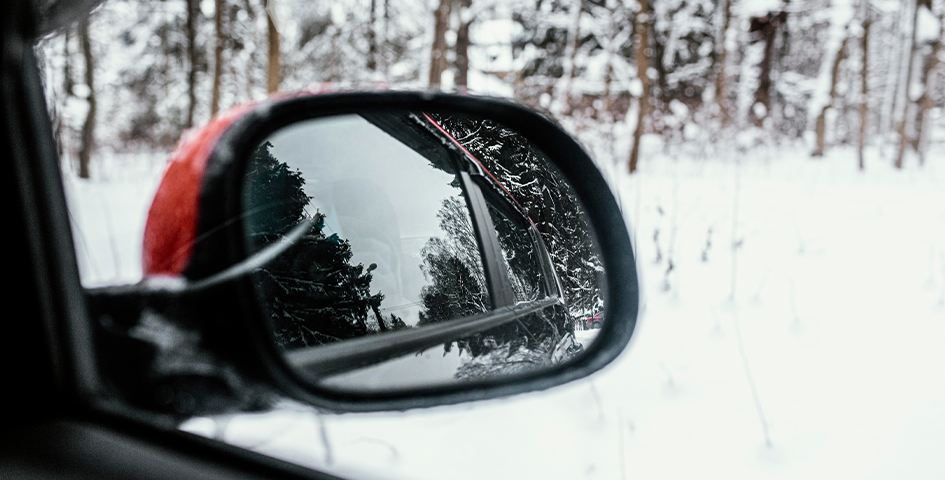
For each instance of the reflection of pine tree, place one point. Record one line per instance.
(313, 295)
(275, 192)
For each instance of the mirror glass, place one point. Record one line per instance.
(443, 248)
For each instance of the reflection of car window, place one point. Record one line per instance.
(394, 244)
(521, 257)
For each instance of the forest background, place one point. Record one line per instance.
(779, 164)
(136, 74)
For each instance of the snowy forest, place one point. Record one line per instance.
(136, 74)
(778, 164)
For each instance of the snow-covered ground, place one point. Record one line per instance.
(824, 357)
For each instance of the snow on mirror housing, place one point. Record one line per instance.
(435, 248)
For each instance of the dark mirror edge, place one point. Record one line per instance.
(222, 198)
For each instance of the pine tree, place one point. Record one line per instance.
(313, 294)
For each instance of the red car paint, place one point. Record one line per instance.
(172, 219)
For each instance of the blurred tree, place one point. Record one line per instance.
(87, 140)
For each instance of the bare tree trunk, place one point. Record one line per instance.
(217, 56)
(191, 33)
(87, 139)
(894, 78)
(372, 37)
(384, 37)
(864, 84)
(380, 319)
(67, 87)
(642, 22)
(906, 103)
(274, 69)
(438, 52)
(608, 109)
(333, 62)
(927, 102)
(721, 81)
(769, 25)
(574, 40)
(820, 128)
(462, 44)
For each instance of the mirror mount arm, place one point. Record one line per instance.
(167, 287)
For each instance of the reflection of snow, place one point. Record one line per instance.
(585, 337)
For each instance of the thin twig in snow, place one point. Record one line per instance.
(735, 242)
(750, 378)
(797, 318)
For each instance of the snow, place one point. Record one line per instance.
(108, 212)
(837, 319)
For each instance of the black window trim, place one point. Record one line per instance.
(314, 363)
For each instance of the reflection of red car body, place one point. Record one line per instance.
(594, 321)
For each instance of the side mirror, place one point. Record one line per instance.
(397, 250)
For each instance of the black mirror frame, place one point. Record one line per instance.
(221, 199)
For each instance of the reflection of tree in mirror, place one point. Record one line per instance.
(457, 285)
(312, 293)
(457, 288)
(548, 201)
(276, 195)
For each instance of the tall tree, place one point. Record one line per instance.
(87, 140)
(438, 52)
(820, 127)
(864, 81)
(907, 102)
(219, 37)
(721, 65)
(193, 10)
(927, 100)
(642, 27)
(767, 27)
(372, 37)
(462, 44)
(571, 53)
(274, 68)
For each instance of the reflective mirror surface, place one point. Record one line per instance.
(444, 248)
